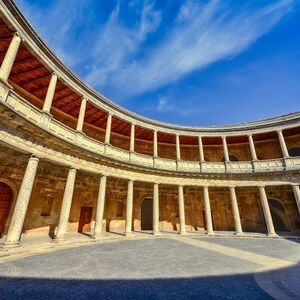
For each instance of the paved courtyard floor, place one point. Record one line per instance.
(171, 267)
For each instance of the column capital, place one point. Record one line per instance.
(34, 157)
(17, 34)
(295, 184)
(249, 135)
(232, 186)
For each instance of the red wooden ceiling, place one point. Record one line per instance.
(188, 140)
(120, 126)
(95, 116)
(144, 133)
(163, 137)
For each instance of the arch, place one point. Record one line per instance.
(295, 151)
(147, 214)
(6, 200)
(279, 216)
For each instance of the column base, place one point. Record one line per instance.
(59, 239)
(10, 245)
(211, 233)
(157, 234)
(182, 232)
(272, 235)
(97, 236)
(239, 233)
(129, 234)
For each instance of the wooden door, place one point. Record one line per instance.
(5, 203)
(147, 214)
(85, 219)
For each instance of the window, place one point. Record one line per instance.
(231, 158)
(47, 206)
(294, 151)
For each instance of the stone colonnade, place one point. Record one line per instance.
(6, 68)
(16, 224)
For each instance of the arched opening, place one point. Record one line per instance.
(294, 151)
(147, 214)
(231, 158)
(5, 204)
(280, 219)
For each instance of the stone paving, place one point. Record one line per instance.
(171, 267)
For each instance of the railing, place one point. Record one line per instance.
(25, 109)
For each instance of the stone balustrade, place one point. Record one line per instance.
(26, 110)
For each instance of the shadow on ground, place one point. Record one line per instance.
(212, 287)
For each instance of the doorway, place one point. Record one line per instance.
(147, 214)
(279, 216)
(5, 204)
(85, 219)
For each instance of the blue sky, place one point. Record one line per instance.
(188, 62)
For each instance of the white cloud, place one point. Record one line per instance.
(202, 35)
(116, 57)
(116, 43)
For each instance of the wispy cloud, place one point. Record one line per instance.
(201, 35)
(125, 59)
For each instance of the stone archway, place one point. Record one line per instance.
(6, 199)
(279, 216)
(147, 214)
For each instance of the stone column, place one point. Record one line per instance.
(81, 115)
(267, 213)
(252, 147)
(283, 147)
(50, 94)
(18, 217)
(10, 57)
(297, 195)
(108, 128)
(201, 152)
(100, 207)
(132, 138)
(235, 212)
(178, 156)
(156, 210)
(129, 207)
(66, 206)
(208, 219)
(155, 147)
(225, 149)
(181, 210)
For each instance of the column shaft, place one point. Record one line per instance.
(178, 156)
(9, 58)
(100, 207)
(132, 138)
(81, 115)
(18, 217)
(283, 147)
(155, 147)
(50, 94)
(66, 205)
(225, 149)
(129, 207)
(155, 209)
(201, 151)
(181, 210)
(108, 128)
(267, 212)
(252, 147)
(208, 219)
(235, 212)
(297, 196)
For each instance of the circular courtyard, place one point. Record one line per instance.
(172, 267)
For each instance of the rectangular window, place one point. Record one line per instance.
(47, 207)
